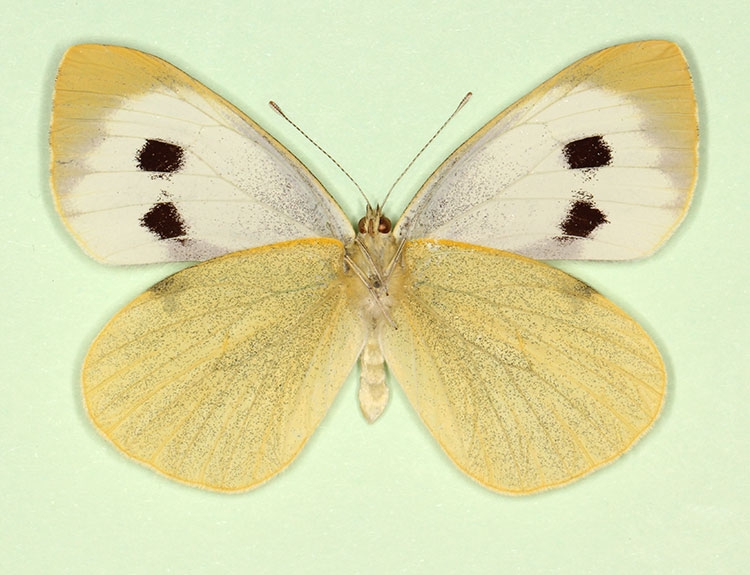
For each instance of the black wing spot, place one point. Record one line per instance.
(164, 221)
(591, 152)
(158, 156)
(583, 218)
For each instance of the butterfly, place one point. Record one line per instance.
(218, 375)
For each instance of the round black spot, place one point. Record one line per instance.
(158, 156)
(164, 221)
(591, 152)
(583, 218)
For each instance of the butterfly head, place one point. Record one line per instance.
(374, 222)
(371, 257)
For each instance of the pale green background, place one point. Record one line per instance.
(371, 81)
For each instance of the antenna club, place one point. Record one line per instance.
(278, 110)
(435, 135)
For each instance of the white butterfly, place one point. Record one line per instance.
(218, 375)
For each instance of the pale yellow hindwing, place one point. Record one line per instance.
(218, 375)
(526, 376)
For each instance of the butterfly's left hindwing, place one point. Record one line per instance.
(527, 377)
(219, 374)
(148, 165)
(599, 162)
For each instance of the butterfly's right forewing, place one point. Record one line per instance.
(149, 165)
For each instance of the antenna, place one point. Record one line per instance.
(461, 104)
(278, 110)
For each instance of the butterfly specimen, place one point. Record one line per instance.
(218, 375)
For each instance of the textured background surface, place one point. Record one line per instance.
(371, 83)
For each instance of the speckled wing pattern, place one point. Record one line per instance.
(526, 376)
(599, 162)
(218, 375)
(148, 165)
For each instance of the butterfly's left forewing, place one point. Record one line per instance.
(599, 162)
(149, 165)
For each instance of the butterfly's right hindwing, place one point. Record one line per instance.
(527, 377)
(219, 374)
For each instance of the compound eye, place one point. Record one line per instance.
(384, 225)
(361, 226)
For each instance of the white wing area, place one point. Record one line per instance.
(149, 165)
(597, 163)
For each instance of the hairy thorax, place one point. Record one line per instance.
(370, 262)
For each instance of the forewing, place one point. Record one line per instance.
(149, 165)
(218, 375)
(527, 377)
(599, 162)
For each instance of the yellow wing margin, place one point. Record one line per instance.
(650, 76)
(225, 183)
(95, 77)
(527, 377)
(218, 375)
